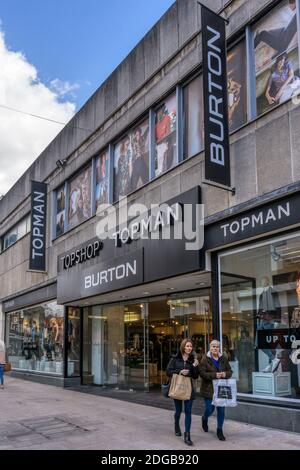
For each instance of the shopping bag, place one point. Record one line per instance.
(7, 367)
(180, 388)
(224, 392)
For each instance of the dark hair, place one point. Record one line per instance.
(183, 344)
(279, 59)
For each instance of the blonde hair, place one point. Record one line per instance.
(184, 343)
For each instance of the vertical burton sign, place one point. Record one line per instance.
(217, 160)
(37, 258)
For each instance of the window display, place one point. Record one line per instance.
(131, 161)
(35, 338)
(260, 315)
(276, 56)
(237, 86)
(60, 211)
(102, 163)
(165, 135)
(80, 198)
(74, 342)
(193, 118)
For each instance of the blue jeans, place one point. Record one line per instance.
(210, 408)
(1, 374)
(187, 410)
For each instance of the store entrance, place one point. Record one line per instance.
(171, 319)
(128, 345)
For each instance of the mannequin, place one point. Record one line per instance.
(269, 308)
(295, 318)
(269, 298)
(244, 352)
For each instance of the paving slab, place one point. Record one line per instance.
(56, 418)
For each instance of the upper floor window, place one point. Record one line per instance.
(17, 232)
(237, 86)
(60, 211)
(102, 169)
(131, 161)
(165, 135)
(80, 197)
(193, 117)
(276, 56)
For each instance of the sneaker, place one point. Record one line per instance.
(268, 369)
(275, 364)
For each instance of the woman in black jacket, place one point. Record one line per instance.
(184, 363)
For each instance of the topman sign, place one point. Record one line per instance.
(274, 216)
(37, 259)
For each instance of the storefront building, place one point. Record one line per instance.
(111, 311)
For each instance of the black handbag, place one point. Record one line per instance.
(165, 389)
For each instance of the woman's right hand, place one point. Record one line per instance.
(219, 375)
(184, 372)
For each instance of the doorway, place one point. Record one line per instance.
(171, 319)
(128, 345)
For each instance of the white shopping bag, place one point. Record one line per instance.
(224, 392)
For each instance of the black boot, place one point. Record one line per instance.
(187, 439)
(177, 429)
(204, 425)
(220, 434)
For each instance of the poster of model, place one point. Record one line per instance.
(60, 211)
(194, 118)
(102, 163)
(237, 86)
(276, 56)
(80, 198)
(131, 161)
(165, 135)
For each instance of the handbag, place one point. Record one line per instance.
(7, 367)
(224, 392)
(180, 387)
(165, 389)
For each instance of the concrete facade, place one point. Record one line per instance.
(265, 150)
(265, 153)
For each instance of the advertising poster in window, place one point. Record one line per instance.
(80, 198)
(194, 118)
(165, 135)
(35, 338)
(60, 211)
(276, 56)
(237, 86)
(102, 163)
(131, 161)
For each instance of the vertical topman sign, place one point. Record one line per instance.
(37, 258)
(217, 161)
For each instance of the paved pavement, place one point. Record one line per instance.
(35, 416)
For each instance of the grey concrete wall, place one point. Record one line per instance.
(264, 154)
(173, 31)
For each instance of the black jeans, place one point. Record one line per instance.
(278, 39)
(187, 410)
